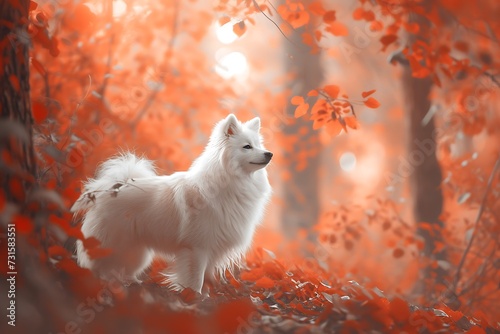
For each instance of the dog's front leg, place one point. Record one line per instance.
(190, 268)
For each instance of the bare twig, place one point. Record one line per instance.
(114, 190)
(161, 78)
(78, 105)
(476, 225)
(102, 90)
(272, 21)
(485, 266)
(104, 85)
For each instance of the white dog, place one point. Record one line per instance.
(204, 218)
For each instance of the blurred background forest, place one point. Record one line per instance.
(382, 117)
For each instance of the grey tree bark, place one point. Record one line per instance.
(425, 180)
(17, 162)
(301, 191)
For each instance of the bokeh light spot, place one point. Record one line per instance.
(231, 65)
(347, 161)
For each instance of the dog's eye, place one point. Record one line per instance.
(247, 147)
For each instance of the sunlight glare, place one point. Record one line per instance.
(233, 64)
(119, 8)
(347, 162)
(225, 33)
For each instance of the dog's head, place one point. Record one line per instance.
(243, 147)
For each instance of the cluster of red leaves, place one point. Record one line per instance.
(341, 225)
(296, 14)
(293, 16)
(434, 50)
(243, 9)
(290, 293)
(331, 111)
(306, 294)
(38, 29)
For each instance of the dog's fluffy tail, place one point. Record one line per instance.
(110, 176)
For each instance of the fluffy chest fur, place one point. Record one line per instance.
(223, 216)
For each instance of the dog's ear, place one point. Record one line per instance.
(254, 124)
(231, 127)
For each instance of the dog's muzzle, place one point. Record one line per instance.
(268, 156)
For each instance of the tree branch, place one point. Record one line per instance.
(154, 92)
(476, 225)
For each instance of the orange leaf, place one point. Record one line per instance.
(318, 35)
(412, 27)
(461, 46)
(313, 92)
(368, 93)
(398, 252)
(299, 19)
(223, 20)
(319, 113)
(297, 100)
(301, 110)
(333, 128)
(317, 8)
(252, 275)
(372, 103)
(337, 29)
(188, 295)
(307, 39)
(329, 16)
(92, 246)
(23, 224)
(399, 310)
(40, 112)
(16, 189)
(368, 15)
(351, 122)
(264, 282)
(332, 91)
(91, 242)
(65, 224)
(319, 105)
(239, 28)
(319, 123)
(294, 14)
(386, 40)
(358, 13)
(376, 26)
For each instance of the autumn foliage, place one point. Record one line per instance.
(151, 76)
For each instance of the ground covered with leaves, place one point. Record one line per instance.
(270, 293)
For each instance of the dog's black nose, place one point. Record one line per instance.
(268, 156)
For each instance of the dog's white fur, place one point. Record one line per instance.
(204, 218)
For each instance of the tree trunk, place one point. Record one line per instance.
(426, 177)
(17, 162)
(301, 191)
(425, 180)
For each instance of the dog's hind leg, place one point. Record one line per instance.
(123, 265)
(190, 266)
